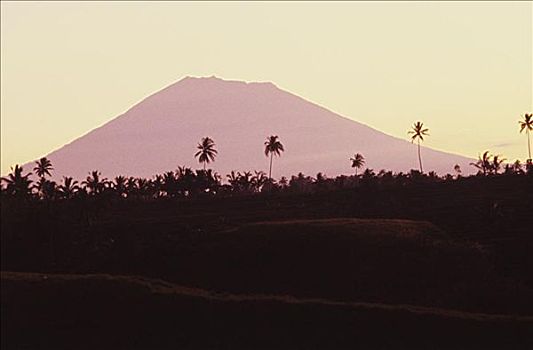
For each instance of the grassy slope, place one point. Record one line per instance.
(388, 261)
(113, 312)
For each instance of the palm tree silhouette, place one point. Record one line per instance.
(259, 179)
(496, 164)
(517, 167)
(273, 147)
(483, 163)
(43, 167)
(16, 183)
(119, 185)
(157, 185)
(527, 125)
(94, 183)
(185, 180)
(418, 133)
(131, 186)
(207, 151)
(233, 180)
(357, 161)
(206, 181)
(245, 181)
(169, 184)
(143, 187)
(68, 188)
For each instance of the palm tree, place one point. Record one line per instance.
(496, 164)
(245, 181)
(357, 161)
(233, 180)
(301, 183)
(283, 182)
(47, 189)
(157, 185)
(517, 167)
(272, 147)
(207, 151)
(144, 187)
(527, 125)
(68, 188)
(16, 183)
(418, 133)
(119, 185)
(483, 163)
(169, 184)
(258, 180)
(131, 186)
(94, 183)
(206, 181)
(43, 167)
(185, 180)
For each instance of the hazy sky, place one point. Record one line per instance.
(464, 69)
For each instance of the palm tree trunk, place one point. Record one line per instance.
(204, 166)
(528, 144)
(419, 158)
(270, 169)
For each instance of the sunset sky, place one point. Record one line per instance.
(463, 68)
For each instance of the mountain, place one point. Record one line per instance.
(162, 131)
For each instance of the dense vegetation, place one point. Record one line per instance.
(102, 224)
(186, 182)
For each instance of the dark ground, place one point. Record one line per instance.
(105, 312)
(465, 245)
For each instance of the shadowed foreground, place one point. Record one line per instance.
(458, 254)
(112, 312)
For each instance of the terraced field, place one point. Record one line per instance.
(116, 312)
(327, 283)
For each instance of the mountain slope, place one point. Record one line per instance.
(162, 131)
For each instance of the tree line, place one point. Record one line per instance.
(186, 182)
